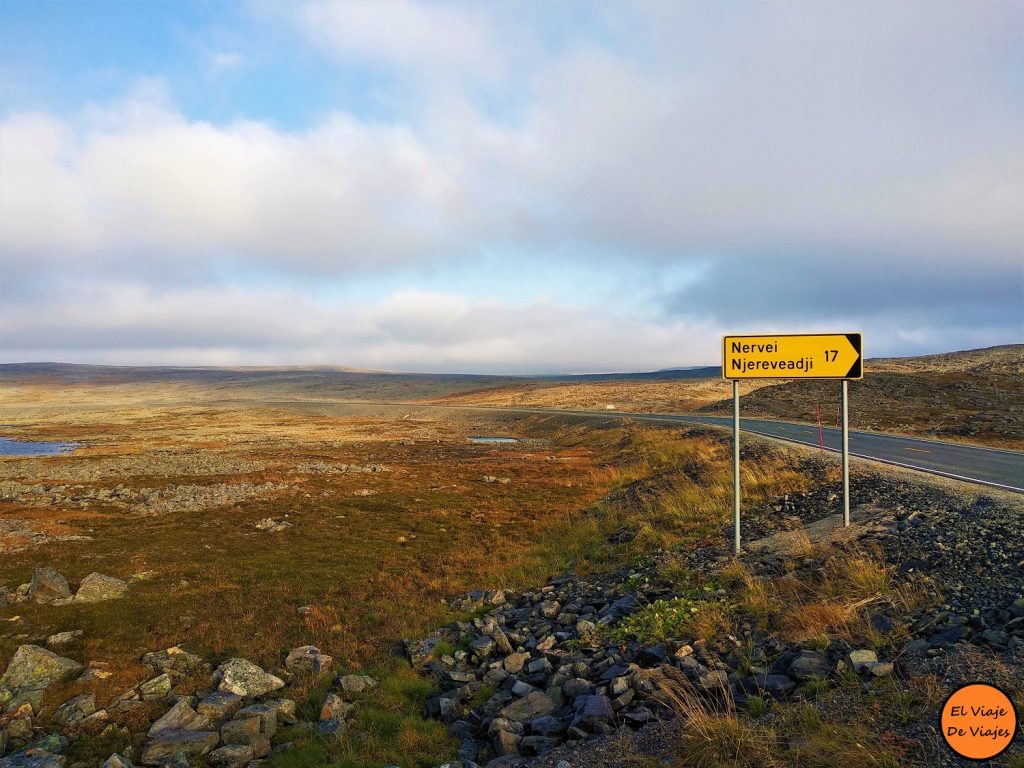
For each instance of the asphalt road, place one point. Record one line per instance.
(989, 466)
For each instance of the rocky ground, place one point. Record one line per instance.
(580, 671)
(538, 678)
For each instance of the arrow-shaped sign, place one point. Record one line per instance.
(793, 356)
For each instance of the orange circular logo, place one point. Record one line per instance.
(978, 721)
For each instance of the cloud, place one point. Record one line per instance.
(138, 179)
(408, 330)
(224, 61)
(853, 166)
(424, 37)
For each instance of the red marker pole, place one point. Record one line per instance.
(821, 435)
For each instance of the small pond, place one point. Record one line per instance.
(10, 447)
(486, 439)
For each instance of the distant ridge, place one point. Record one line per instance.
(1005, 356)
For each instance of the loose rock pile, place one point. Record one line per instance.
(539, 669)
(231, 724)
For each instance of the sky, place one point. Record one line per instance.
(506, 187)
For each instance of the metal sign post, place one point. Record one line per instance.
(846, 453)
(736, 463)
(791, 356)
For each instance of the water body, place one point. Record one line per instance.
(485, 439)
(10, 447)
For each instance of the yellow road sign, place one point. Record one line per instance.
(793, 356)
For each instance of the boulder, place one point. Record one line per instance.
(31, 671)
(97, 587)
(307, 660)
(48, 585)
(242, 677)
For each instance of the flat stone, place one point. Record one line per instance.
(219, 705)
(169, 744)
(879, 668)
(530, 706)
(242, 677)
(63, 638)
(48, 585)
(332, 729)
(180, 717)
(97, 587)
(230, 756)
(513, 663)
(356, 683)
(861, 657)
(31, 671)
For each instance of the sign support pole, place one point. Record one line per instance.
(736, 462)
(846, 453)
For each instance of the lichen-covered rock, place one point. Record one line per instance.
(219, 705)
(173, 659)
(156, 688)
(335, 708)
(307, 660)
(352, 684)
(48, 585)
(168, 744)
(97, 587)
(180, 717)
(242, 677)
(30, 673)
(75, 710)
(230, 756)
